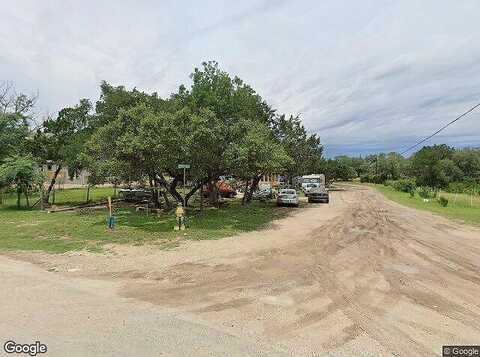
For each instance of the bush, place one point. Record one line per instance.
(412, 193)
(425, 192)
(468, 187)
(366, 178)
(403, 185)
(390, 183)
(443, 201)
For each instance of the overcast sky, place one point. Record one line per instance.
(366, 75)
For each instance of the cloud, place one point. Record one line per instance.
(368, 75)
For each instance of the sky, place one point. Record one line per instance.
(367, 76)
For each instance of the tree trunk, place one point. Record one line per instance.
(153, 189)
(168, 204)
(201, 198)
(213, 192)
(163, 183)
(19, 193)
(41, 197)
(254, 186)
(88, 193)
(173, 190)
(198, 186)
(52, 183)
(156, 192)
(26, 197)
(245, 193)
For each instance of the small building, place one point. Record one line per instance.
(63, 178)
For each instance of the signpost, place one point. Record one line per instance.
(184, 167)
(111, 218)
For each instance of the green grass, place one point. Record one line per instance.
(64, 197)
(23, 229)
(457, 209)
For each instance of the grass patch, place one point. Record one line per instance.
(63, 197)
(59, 232)
(461, 207)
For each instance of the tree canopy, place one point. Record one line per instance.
(220, 126)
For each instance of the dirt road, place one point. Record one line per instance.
(362, 276)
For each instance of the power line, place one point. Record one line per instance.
(442, 128)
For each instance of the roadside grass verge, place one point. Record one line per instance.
(59, 232)
(458, 208)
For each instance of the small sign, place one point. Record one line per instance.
(183, 166)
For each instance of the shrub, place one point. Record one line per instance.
(366, 178)
(443, 201)
(425, 192)
(378, 179)
(412, 193)
(404, 185)
(463, 187)
(390, 183)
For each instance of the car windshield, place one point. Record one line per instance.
(288, 192)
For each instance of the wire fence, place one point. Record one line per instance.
(61, 197)
(461, 199)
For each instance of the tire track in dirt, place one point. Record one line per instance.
(354, 264)
(367, 274)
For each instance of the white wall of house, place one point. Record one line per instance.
(63, 178)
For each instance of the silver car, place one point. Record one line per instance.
(287, 196)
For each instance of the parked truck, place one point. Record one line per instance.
(314, 188)
(309, 182)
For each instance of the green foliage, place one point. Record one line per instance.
(15, 117)
(13, 133)
(341, 168)
(437, 167)
(220, 126)
(425, 192)
(366, 178)
(443, 201)
(462, 209)
(404, 185)
(256, 152)
(304, 150)
(465, 186)
(468, 161)
(432, 166)
(62, 139)
(21, 173)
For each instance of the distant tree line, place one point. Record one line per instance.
(437, 167)
(219, 125)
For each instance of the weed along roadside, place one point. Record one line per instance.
(452, 205)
